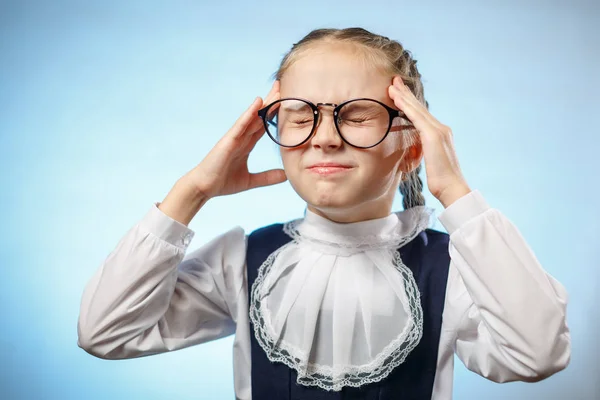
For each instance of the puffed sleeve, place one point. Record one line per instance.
(508, 315)
(148, 297)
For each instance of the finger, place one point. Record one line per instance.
(267, 178)
(241, 125)
(412, 100)
(273, 95)
(399, 91)
(256, 124)
(412, 111)
(257, 128)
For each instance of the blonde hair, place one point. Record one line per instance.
(394, 59)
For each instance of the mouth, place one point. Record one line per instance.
(329, 168)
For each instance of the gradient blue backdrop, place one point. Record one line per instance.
(104, 105)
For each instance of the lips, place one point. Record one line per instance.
(329, 165)
(329, 168)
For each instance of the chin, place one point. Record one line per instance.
(331, 195)
(331, 199)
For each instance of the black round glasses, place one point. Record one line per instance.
(361, 123)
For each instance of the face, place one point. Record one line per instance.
(359, 184)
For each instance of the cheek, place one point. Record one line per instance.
(392, 145)
(291, 162)
(382, 168)
(385, 156)
(376, 171)
(394, 151)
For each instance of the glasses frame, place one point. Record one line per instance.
(337, 107)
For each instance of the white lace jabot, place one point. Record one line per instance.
(337, 304)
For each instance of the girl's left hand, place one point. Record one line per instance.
(444, 177)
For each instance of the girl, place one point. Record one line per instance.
(353, 301)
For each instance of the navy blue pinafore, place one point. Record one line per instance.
(428, 259)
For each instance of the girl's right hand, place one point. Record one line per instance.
(224, 170)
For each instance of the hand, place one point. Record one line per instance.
(444, 177)
(224, 170)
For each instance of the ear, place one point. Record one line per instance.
(412, 158)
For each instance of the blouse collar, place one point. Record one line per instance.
(386, 232)
(318, 226)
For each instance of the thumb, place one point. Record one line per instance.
(267, 178)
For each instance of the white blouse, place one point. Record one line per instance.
(504, 316)
(337, 303)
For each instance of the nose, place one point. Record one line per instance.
(325, 136)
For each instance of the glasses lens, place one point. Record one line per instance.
(363, 123)
(290, 122)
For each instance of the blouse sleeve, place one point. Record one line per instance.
(508, 315)
(148, 297)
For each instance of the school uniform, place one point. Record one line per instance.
(322, 310)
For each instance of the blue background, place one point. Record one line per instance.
(104, 105)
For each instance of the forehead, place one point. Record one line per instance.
(333, 73)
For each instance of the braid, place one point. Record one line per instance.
(411, 190)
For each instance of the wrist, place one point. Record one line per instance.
(183, 202)
(187, 188)
(453, 193)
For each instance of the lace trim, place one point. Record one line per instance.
(327, 377)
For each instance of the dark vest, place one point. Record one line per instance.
(428, 258)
